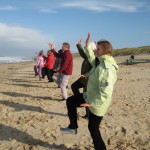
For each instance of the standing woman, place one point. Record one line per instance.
(40, 64)
(48, 66)
(99, 91)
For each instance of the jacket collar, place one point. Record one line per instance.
(108, 58)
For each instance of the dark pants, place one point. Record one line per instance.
(94, 121)
(48, 72)
(35, 70)
(76, 86)
(75, 89)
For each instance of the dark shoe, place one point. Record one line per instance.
(85, 117)
(51, 81)
(59, 87)
(68, 130)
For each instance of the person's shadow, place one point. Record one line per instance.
(30, 85)
(20, 107)
(24, 83)
(15, 94)
(9, 133)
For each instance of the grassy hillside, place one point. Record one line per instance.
(127, 51)
(135, 51)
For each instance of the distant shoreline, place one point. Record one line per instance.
(9, 59)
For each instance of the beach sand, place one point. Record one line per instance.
(31, 113)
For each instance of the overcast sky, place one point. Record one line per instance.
(27, 26)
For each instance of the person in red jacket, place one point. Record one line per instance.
(48, 66)
(66, 67)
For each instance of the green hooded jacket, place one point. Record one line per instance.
(101, 82)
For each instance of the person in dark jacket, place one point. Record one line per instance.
(132, 56)
(57, 76)
(82, 81)
(66, 67)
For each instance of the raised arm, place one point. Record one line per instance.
(44, 57)
(53, 50)
(89, 51)
(80, 50)
(37, 53)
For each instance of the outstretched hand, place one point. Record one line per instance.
(80, 42)
(82, 76)
(85, 105)
(88, 39)
(50, 45)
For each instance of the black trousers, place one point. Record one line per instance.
(94, 121)
(76, 86)
(75, 89)
(48, 72)
(35, 70)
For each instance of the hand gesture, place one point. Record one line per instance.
(80, 42)
(85, 105)
(82, 76)
(50, 45)
(88, 39)
(36, 53)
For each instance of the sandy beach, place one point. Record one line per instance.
(31, 113)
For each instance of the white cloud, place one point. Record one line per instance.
(96, 5)
(87, 5)
(109, 5)
(121, 7)
(7, 8)
(22, 41)
(50, 11)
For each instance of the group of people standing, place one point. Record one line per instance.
(98, 76)
(41, 68)
(59, 69)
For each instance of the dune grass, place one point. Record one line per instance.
(135, 51)
(126, 51)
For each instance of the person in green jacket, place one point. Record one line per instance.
(99, 91)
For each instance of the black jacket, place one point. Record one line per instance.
(86, 66)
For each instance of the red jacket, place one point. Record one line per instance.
(50, 60)
(66, 65)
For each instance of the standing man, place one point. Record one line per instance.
(66, 67)
(82, 81)
(56, 76)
